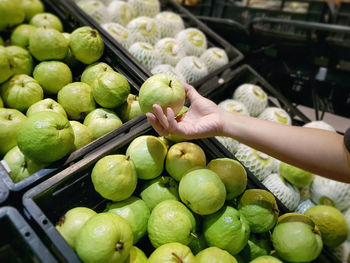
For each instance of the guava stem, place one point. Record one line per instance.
(9, 117)
(128, 158)
(93, 33)
(61, 221)
(119, 246)
(170, 83)
(194, 235)
(179, 260)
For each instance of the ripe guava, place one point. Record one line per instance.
(159, 189)
(72, 222)
(226, 229)
(171, 221)
(45, 137)
(164, 90)
(260, 209)
(52, 76)
(114, 177)
(148, 154)
(232, 174)
(202, 191)
(135, 211)
(105, 237)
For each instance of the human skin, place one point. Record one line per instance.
(317, 151)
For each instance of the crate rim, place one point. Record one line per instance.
(27, 233)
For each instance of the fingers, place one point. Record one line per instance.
(173, 125)
(156, 124)
(159, 114)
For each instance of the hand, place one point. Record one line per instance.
(202, 120)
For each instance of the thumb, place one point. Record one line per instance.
(191, 92)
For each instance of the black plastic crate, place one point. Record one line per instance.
(234, 55)
(4, 192)
(19, 243)
(315, 11)
(112, 57)
(74, 186)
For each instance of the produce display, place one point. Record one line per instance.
(56, 94)
(157, 37)
(163, 199)
(185, 209)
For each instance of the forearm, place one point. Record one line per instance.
(318, 151)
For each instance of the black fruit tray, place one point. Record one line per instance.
(19, 243)
(234, 55)
(113, 58)
(73, 187)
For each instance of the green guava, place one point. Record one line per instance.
(295, 175)
(52, 76)
(20, 92)
(136, 255)
(76, 99)
(47, 20)
(82, 135)
(71, 223)
(110, 89)
(226, 229)
(114, 177)
(135, 211)
(5, 68)
(11, 13)
(232, 174)
(92, 72)
(101, 121)
(172, 253)
(20, 60)
(21, 167)
(182, 157)
(46, 105)
(48, 44)
(171, 221)
(202, 191)
(159, 189)
(105, 237)
(260, 209)
(70, 60)
(148, 154)
(331, 222)
(20, 36)
(266, 259)
(296, 238)
(214, 255)
(10, 121)
(45, 137)
(1, 103)
(130, 108)
(86, 44)
(164, 90)
(31, 8)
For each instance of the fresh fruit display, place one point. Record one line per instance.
(40, 76)
(161, 37)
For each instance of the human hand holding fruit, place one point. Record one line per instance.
(200, 121)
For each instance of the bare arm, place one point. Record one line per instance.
(318, 151)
